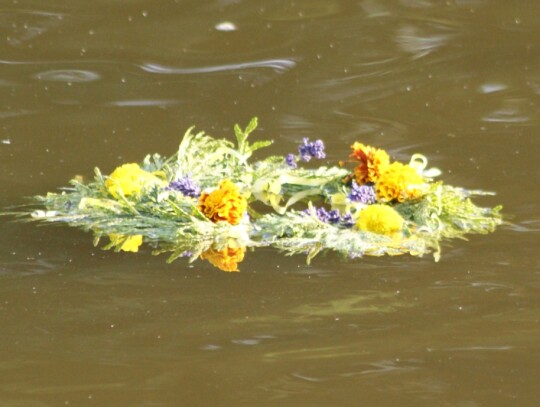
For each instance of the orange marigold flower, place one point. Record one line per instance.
(224, 204)
(226, 259)
(399, 182)
(373, 162)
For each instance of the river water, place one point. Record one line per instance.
(99, 83)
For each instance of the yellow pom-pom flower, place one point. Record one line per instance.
(226, 259)
(224, 204)
(382, 219)
(399, 182)
(373, 162)
(126, 243)
(130, 179)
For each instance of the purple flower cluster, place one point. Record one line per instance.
(347, 220)
(362, 193)
(333, 217)
(309, 150)
(306, 151)
(291, 160)
(186, 186)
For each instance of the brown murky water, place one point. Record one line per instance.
(88, 83)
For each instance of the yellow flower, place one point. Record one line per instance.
(226, 259)
(399, 182)
(382, 219)
(224, 204)
(126, 243)
(373, 162)
(130, 179)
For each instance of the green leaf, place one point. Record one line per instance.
(240, 135)
(260, 144)
(251, 126)
(244, 148)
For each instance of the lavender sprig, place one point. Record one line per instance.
(332, 217)
(186, 186)
(309, 150)
(362, 193)
(291, 160)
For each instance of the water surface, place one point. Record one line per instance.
(100, 83)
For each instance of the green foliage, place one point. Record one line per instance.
(245, 149)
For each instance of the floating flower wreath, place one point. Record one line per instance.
(209, 201)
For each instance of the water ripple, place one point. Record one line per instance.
(517, 110)
(67, 75)
(385, 366)
(29, 267)
(415, 41)
(476, 348)
(525, 226)
(277, 65)
(492, 87)
(21, 27)
(143, 103)
(14, 113)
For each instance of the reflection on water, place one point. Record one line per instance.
(359, 304)
(100, 83)
(277, 65)
(75, 75)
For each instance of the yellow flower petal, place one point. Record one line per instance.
(130, 179)
(399, 182)
(381, 219)
(126, 243)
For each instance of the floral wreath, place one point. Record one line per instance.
(209, 201)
